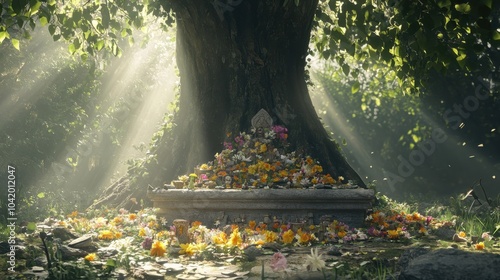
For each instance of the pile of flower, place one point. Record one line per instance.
(142, 235)
(397, 225)
(259, 159)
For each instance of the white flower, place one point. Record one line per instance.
(314, 261)
(486, 236)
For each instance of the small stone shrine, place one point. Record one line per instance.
(218, 203)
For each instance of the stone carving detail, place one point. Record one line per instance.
(262, 120)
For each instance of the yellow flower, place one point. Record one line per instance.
(480, 246)
(271, 236)
(393, 234)
(462, 234)
(117, 220)
(158, 249)
(263, 148)
(106, 234)
(252, 169)
(235, 238)
(200, 247)
(142, 232)
(288, 236)
(204, 166)
(118, 235)
(220, 238)
(132, 217)
(91, 257)
(317, 169)
(187, 249)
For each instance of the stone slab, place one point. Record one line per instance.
(288, 205)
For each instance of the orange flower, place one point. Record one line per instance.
(252, 224)
(266, 166)
(132, 217)
(195, 224)
(393, 234)
(158, 249)
(276, 225)
(288, 236)
(118, 235)
(73, 214)
(222, 173)
(106, 234)
(462, 234)
(423, 230)
(309, 160)
(341, 234)
(91, 257)
(480, 246)
(304, 237)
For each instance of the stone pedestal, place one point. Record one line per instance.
(310, 206)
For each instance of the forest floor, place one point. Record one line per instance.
(118, 244)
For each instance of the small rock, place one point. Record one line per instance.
(252, 252)
(452, 264)
(174, 267)
(69, 253)
(81, 242)
(37, 269)
(444, 233)
(63, 233)
(153, 275)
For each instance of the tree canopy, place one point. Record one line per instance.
(415, 38)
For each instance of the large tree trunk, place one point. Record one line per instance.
(235, 59)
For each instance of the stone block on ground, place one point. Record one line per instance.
(449, 264)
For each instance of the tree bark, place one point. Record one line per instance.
(235, 59)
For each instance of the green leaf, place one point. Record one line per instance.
(355, 87)
(99, 45)
(31, 226)
(111, 263)
(463, 8)
(496, 36)
(84, 57)
(346, 69)
(15, 44)
(52, 29)
(3, 35)
(41, 195)
(43, 21)
(34, 8)
(105, 16)
(71, 48)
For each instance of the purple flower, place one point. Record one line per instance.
(147, 243)
(240, 140)
(278, 262)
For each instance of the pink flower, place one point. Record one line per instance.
(228, 145)
(278, 262)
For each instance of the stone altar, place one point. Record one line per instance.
(310, 206)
